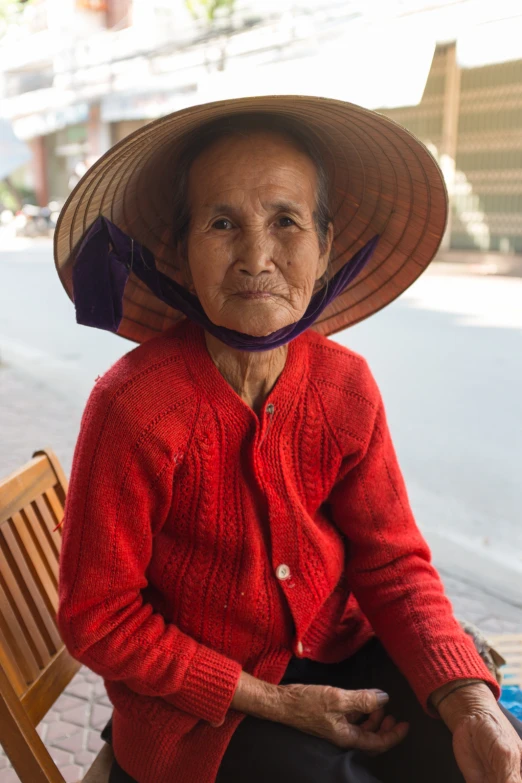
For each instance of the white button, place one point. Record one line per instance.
(300, 649)
(283, 572)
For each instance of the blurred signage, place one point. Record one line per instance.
(144, 106)
(91, 5)
(46, 122)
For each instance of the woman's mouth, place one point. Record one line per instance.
(254, 294)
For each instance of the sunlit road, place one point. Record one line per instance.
(447, 356)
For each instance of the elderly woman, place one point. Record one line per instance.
(240, 562)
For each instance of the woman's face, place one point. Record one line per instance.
(253, 249)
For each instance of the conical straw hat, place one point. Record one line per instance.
(384, 181)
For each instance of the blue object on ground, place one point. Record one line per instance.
(511, 699)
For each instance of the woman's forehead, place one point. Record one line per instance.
(262, 163)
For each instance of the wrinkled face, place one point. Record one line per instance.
(253, 249)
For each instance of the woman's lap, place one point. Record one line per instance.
(262, 751)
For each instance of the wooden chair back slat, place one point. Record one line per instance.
(9, 664)
(24, 616)
(32, 651)
(48, 557)
(17, 640)
(48, 519)
(56, 505)
(35, 580)
(24, 612)
(35, 666)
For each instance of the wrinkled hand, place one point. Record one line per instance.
(486, 746)
(334, 715)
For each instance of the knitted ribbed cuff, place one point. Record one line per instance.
(445, 663)
(209, 685)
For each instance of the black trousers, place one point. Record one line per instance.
(266, 752)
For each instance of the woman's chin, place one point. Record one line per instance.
(256, 319)
(253, 329)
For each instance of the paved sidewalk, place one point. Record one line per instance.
(32, 416)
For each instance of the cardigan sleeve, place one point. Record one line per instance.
(390, 573)
(119, 496)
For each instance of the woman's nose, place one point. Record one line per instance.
(255, 253)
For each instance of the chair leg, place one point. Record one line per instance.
(21, 742)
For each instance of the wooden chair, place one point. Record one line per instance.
(35, 666)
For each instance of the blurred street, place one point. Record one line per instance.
(447, 357)
(37, 319)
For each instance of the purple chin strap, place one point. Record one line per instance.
(107, 256)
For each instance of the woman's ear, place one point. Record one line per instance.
(324, 258)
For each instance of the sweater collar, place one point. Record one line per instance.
(220, 393)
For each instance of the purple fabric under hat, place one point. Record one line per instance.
(107, 256)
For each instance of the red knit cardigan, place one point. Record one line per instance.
(201, 539)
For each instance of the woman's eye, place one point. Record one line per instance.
(284, 222)
(222, 224)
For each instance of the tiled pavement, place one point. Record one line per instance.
(71, 729)
(31, 416)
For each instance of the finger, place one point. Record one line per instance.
(403, 726)
(388, 723)
(379, 742)
(366, 701)
(373, 721)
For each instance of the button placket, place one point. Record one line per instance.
(270, 410)
(282, 571)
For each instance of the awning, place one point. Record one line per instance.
(493, 42)
(365, 66)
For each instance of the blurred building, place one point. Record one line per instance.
(77, 76)
(62, 125)
(471, 118)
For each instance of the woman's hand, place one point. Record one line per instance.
(331, 713)
(335, 714)
(486, 746)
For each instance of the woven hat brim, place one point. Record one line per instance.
(384, 181)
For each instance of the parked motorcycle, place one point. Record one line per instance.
(35, 221)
